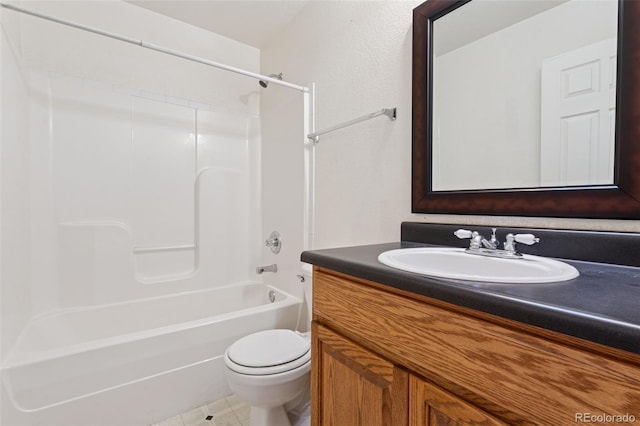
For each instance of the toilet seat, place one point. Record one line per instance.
(268, 352)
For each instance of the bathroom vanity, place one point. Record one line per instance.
(396, 348)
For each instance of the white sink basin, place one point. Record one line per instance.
(454, 263)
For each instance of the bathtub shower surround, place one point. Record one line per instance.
(135, 362)
(130, 217)
(141, 188)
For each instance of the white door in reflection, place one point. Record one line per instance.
(578, 116)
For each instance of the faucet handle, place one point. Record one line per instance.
(476, 238)
(463, 233)
(510, 243)
(274, 242)
(528, 239)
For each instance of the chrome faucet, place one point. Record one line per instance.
(483, 247)
(267, 268)
(493, 243)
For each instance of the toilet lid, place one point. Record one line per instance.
(268, 348)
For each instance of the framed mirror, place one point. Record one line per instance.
(495, 125)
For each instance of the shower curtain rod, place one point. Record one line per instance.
(157, 48)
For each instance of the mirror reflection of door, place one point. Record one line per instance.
(487, 97)
(578, 116)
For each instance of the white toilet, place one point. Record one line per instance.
(270, 368)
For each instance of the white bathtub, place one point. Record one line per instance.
(136, 362)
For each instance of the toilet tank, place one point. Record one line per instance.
(306, 279)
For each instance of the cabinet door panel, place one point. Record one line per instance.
(432, 406)
(352, 386)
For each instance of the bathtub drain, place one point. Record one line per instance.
(272, 296)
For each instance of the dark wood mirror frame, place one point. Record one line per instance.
(620, 200)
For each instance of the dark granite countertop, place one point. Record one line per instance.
(602, 305)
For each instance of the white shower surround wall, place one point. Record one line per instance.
(139, 199)
(85, 151)
(127, 178)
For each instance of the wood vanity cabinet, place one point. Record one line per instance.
(358, 386)
(381, 356)
(433, 406)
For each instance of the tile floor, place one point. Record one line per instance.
(229, 411)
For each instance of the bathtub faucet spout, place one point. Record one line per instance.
(267, 268)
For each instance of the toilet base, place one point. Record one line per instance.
(268, 416)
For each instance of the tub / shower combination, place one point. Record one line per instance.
(135, 362)
(120, 298)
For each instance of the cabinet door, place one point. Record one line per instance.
(431, 406)
(352, 386)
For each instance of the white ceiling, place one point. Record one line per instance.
(253, 22)
(481, 18)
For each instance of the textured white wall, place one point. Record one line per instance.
(359, 55)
